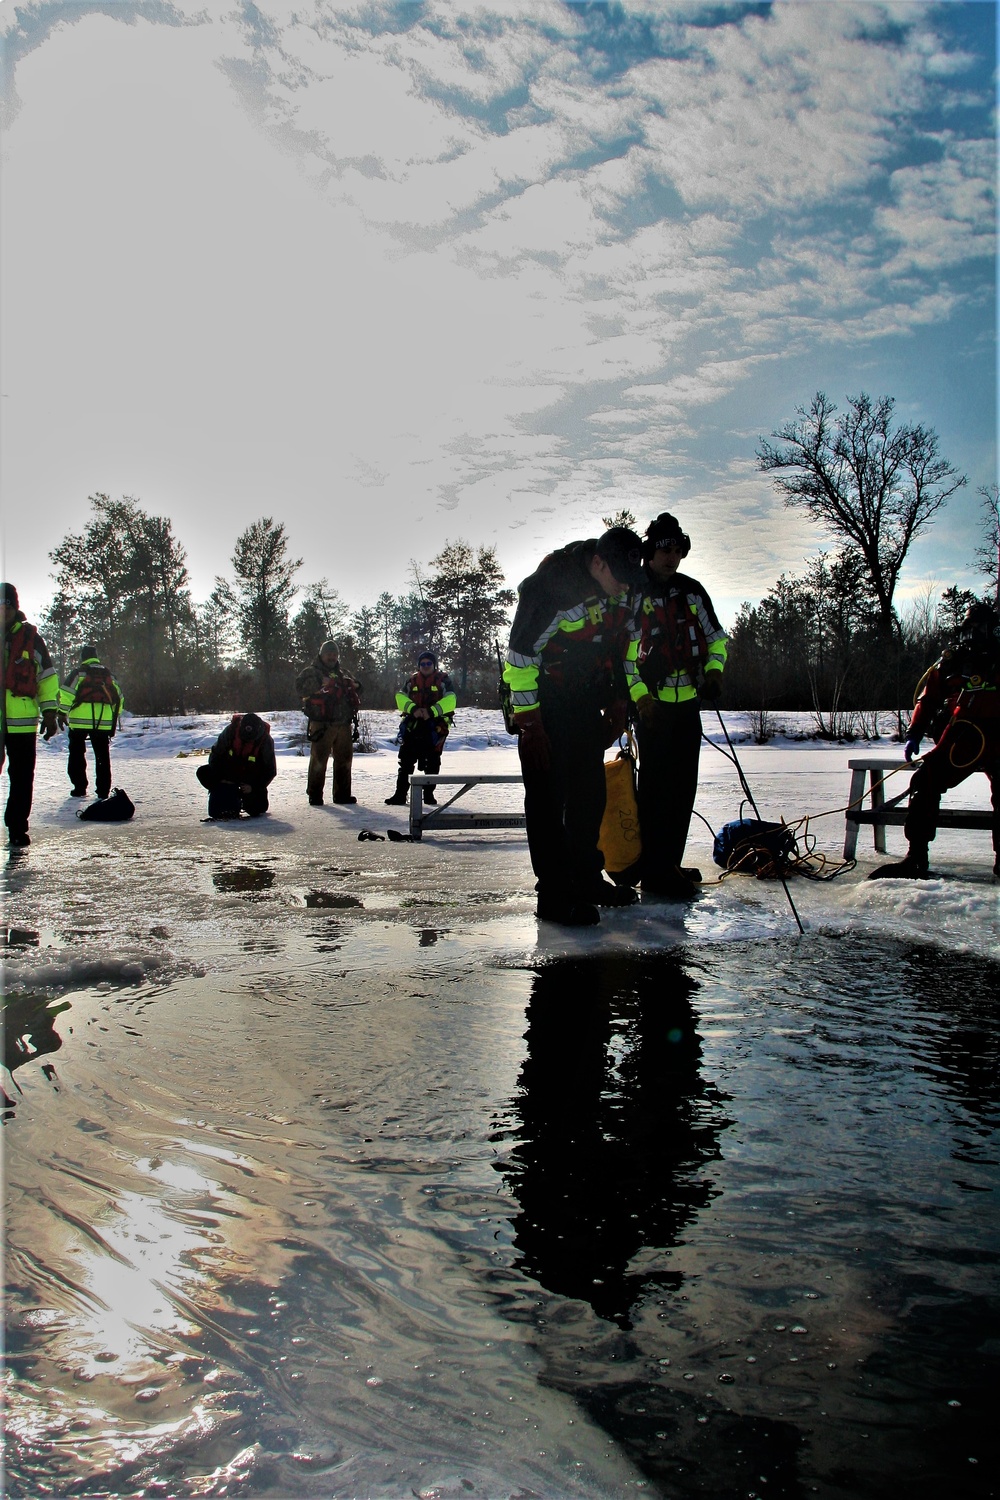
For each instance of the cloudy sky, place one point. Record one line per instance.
(402, 273)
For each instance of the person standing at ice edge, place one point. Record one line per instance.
(31, 686)
(427, 704)
(90, 704)
(566, 670)
(958, 703)
(680, 656)
(330, 700)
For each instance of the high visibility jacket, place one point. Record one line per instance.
(245, 762)
(680, 641)
(81, 698)
(31, 683)
(568, 634)
(433, 692)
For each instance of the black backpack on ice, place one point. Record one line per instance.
(117, 808)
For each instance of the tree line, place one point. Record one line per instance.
(122, 585)
(830, 640)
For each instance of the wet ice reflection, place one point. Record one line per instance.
(613, 1125)
(405, 1221)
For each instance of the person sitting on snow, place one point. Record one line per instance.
(241, 767)
(958, 702)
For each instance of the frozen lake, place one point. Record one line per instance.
(336, 1176)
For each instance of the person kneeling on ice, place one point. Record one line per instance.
(241, 767)
(958, 702)
(427, 703)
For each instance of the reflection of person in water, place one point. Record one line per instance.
(28, 1032)
(612, 1123)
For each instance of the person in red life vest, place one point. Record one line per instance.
(90, 704)
(330, 701)
(427, 703)
(958, 704)
(567, 674)
(31, 687)
(241, 767)
(680, 656)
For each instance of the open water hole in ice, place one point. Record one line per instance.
(384, 1217)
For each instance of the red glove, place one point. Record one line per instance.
(533, 743)
(615, 721)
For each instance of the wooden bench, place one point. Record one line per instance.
(440, 818)
(892, 810)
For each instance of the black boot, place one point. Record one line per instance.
(429, 796)
(603, 893)
(567, 912)
(401, 795)
(913, 867)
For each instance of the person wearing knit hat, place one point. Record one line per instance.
(568, 679)
(679, 659)
(331, 699)
(31, 687)
(427, 702)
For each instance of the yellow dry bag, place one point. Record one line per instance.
(620, 842)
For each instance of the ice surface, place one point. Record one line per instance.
(165, 893)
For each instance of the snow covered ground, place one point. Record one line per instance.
(163, 893)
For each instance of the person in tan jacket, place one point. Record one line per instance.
(330, 700)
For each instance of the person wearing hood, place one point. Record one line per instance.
(567, 675)
(241, 766)
(31, 688)
(679, 657)
(330, 700)
(90, 704)
(427, 702)
(958, 705)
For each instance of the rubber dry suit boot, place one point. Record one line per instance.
(400, 796)
(913, 867)
(674, 885)
(567, 912)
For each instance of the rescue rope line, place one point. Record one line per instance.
(750, 798)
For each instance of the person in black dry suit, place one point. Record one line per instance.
(680, 655)
(241, 767)
(567, 675)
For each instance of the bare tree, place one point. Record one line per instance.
(874, 485)
(988, 555)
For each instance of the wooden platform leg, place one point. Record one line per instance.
(416, 811)
(878, 801)
(851, 827)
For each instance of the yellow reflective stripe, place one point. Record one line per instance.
(677, 695)
(520, 679)
(569, 625)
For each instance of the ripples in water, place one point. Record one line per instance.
(700, 1223)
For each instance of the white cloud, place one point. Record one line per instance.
(510, 264)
